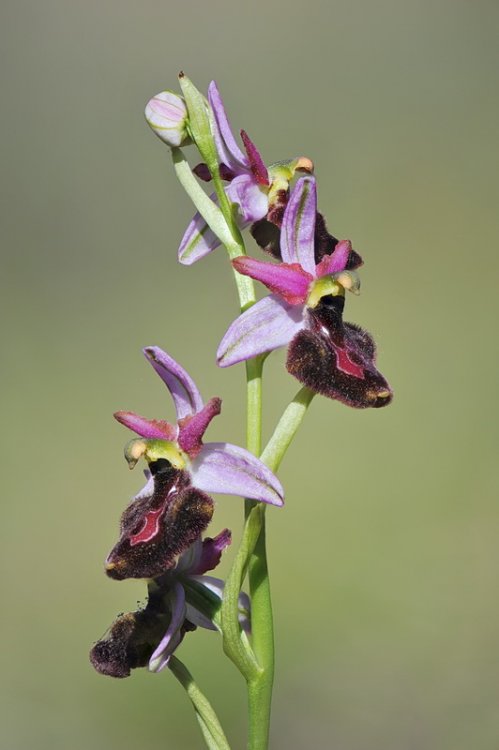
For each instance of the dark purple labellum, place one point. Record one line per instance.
(267, 236)
(133, 637)
(156, 529)
(337, 359)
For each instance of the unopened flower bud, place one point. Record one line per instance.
(166, 115)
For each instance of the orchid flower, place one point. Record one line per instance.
(179, 601)
(173, 508)
(330, 357)
(256, 190)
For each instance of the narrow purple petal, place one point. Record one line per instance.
(170, 640)
(228, 150)
(186, 396)
(198, 241)
(257, 165)
(230, 470)
(249, 196)
(146, 428)
(337, 261)
(192, 429)
(211, 552)
(289, 280)
(298, 225)
(266, 326)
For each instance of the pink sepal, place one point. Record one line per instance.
(192, 429)
(289, 280)
(156, 429)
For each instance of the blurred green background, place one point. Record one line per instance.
(385, 559)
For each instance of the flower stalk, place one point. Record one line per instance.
(208, 720)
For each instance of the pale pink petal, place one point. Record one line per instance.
(230, 470)
(173, 635)
(249, 196)
(298, 225)
(198, 241)
(183, 390)
(228, 150)
(266, 326)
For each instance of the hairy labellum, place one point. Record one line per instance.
(133, 637)
(337, 359)
(156, 529)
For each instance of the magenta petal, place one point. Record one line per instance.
(211, 552)
(257, 166)
(146, 428)
(298, 225)
(288, 280)
(183, 390)
(266, 326)
(247, 194)
(230, 470)
(192, 429)
(337, 261)
(172, 637)
(228, 150)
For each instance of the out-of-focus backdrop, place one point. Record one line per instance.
(385, 560)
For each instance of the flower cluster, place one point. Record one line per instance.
(308, 283)
(310, 271)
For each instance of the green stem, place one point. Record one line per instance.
(235, 643)
(286, 428)
(228, 234)
(260, 686)
(208, 721)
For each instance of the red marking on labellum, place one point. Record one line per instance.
(345, 364)
(149, 529)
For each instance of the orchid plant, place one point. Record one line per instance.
(161, 531)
